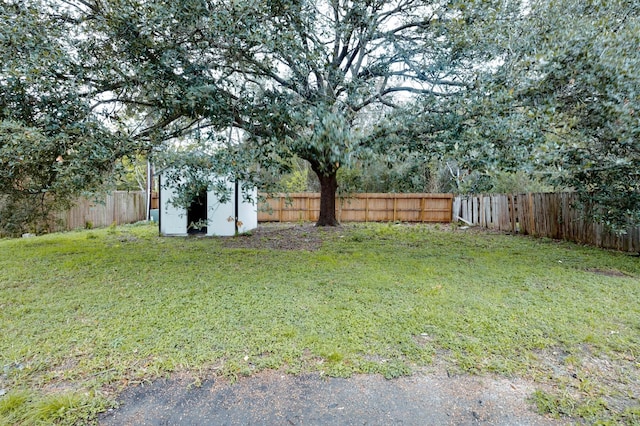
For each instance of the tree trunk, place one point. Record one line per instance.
(328, 188)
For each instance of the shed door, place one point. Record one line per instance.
(173, 221)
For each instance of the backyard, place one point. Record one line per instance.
(86, 314)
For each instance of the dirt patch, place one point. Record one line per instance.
(607, 272)
(302, 236)
(272, 397)
(284, 237)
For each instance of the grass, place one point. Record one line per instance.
(84, 314)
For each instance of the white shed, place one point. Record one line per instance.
(222, 219)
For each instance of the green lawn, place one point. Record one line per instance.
(83, 314)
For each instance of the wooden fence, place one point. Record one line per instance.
(552, 215)
(359, 208)
(118, 207)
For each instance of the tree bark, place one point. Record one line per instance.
(328, 188)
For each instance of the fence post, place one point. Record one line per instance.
(308, 208)
(115, 208)
(395, 205)
(366, 208)
(455, 208)
(532, 222)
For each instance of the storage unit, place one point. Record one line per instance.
(237, 215)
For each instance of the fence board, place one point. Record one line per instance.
(119, 207)
(551, 215)
(371, 207)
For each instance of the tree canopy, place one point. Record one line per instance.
(565, 102)
(52, 146)
(492, 84)
(304, 78)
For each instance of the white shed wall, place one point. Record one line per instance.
(220, 217)
(173, 220)
(248, 211)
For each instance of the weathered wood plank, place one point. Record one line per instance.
(422, 207)
(552, 215)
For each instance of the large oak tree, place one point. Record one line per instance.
(85, 82)
(304, 78)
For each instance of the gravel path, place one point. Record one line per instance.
(275, 398)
